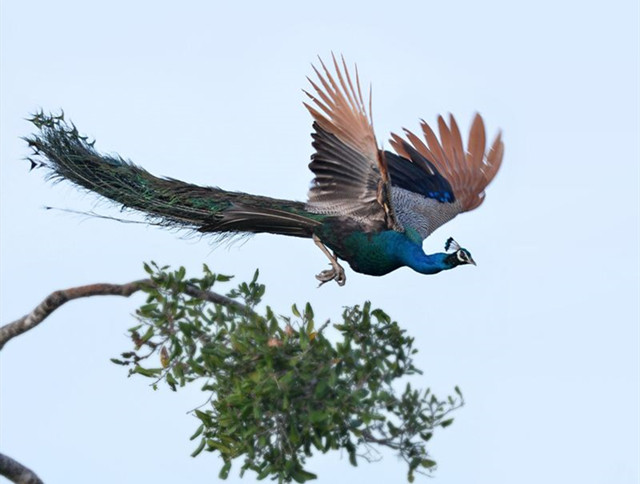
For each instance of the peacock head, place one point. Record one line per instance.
(458, 256)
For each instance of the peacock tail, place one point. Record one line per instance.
(70, 156)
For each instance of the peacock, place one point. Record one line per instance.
(367, 206)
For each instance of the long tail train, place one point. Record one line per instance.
(70, 156)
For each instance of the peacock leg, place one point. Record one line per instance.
(336, 272)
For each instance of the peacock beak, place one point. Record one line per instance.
(471, 261)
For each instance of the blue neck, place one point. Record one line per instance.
(426, 263)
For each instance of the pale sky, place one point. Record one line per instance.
(542, 337)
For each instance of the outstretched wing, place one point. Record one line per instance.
(351, 176)
(468, 171)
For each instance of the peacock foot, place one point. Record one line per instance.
(335, 273)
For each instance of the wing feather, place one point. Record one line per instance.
(447, 140)
(434, 148)
(456, 139)
(475, 153)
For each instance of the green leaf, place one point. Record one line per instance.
(300, 475)
(304, 340)
(446, 423)
(197, 368)
(333, 378)
(361, 393)
(180, 273)
(146, 309)
(294, 311)
(428, 463)
(287, 378)
(204, 417)
(294, 435)
(381, 316)
(199, 448)
(186, 328)
(148, 335)
(352, 456)
(322, 389)
(316, 416)
(148, 372)
(264, 473)
(255, 276)
(171, 381)
(197, 433)
(224, 472)
(178, 370)
(308, 314)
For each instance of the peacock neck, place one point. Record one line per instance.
(426, 263)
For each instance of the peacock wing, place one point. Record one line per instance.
(351, 175)
(467, 171)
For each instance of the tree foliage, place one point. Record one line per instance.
(277, 387)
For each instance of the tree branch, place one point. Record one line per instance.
(16, 472)
(216, 298)
(56, 299)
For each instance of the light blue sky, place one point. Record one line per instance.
(542, 336)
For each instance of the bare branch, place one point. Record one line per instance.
(16, 472)
(56, 299)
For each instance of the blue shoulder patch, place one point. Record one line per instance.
(414, 175)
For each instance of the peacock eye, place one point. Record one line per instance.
(462, 257)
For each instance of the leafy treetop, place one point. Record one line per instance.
(277, 388)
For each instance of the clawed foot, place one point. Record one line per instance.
(335, 273)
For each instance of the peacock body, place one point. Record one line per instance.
(370, 207)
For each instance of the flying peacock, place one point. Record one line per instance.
(367, 206)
